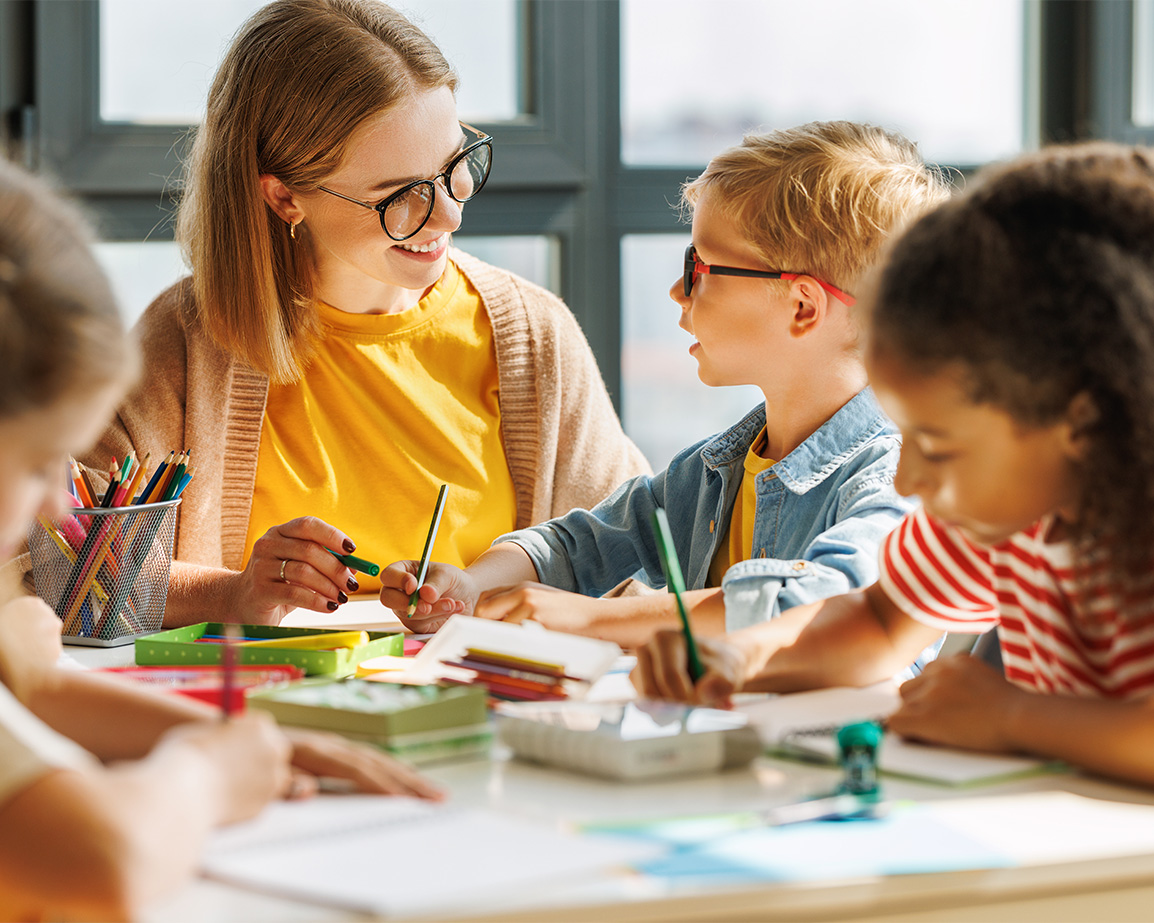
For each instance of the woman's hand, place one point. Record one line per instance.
(29, 645)
(291, 568)
(662, 670)
(447, 591)
(320, 754)
(957, 701)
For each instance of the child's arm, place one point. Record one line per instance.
(117, 720)
(851, 640)
(99, 842)
(629, 621)
(29, 644)
(962, 702)
(449, 590)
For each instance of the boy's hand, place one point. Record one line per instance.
(662, 670)
(447, 591)
(553, 608)
(325, 755)
(957, 702)
(29, 645)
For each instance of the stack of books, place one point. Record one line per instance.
(421, 724)
(516, 679)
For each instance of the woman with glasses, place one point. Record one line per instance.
(332, 359)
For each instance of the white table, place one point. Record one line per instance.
(1114, 891)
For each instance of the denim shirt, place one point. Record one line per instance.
(822, 512)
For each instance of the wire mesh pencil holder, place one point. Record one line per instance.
(105, 571)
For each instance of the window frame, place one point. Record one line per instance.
(558, 171)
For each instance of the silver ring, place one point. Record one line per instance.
(282, 567)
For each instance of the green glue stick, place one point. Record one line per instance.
(357, 564)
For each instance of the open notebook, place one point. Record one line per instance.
(805, 724)
(403, 857)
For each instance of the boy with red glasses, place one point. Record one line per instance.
(789, 504)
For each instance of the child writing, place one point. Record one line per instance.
(1012, 341)
(79, 838)
(790, 503)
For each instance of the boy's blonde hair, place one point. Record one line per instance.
(61, 330)
(297, 81)
(821, 198)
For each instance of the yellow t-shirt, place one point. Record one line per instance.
(738, 542)
(390, 407)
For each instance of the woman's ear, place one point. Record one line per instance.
(280, 199)
(1081, 415)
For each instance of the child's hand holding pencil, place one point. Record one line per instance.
(446, 590)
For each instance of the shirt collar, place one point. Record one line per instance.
(840, 437)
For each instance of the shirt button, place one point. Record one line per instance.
(799, 565)
(711, 527)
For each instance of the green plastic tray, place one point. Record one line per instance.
(179, 646)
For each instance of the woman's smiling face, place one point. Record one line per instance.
(359, 267)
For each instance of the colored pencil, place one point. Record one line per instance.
(673, 579)
(430, 539)
(174, 481)
(228, 664)
(317, 642)
(82, 493)
(88, 485)
(156, 476)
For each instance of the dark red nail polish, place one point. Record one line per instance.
(349, 547)
(352, 585)
(332, 606)
(342, 598)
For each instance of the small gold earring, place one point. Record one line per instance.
(292, 230)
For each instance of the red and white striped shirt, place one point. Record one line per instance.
(1057, 634)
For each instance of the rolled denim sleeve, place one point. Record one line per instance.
(842, 557)
(591, 551)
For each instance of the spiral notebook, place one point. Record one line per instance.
(805, 725)
(363, 852)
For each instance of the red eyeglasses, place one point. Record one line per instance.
(694, 267)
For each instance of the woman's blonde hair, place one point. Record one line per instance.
(821, 198)
(297, 81)
(61, 331)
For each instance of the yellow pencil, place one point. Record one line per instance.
(348, 639)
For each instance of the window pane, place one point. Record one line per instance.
(157, 59)
(695, 76)
(664, 405)
(1143, 77)
(535, 258)
(141, 270)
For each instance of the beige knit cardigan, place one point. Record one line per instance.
(563, 442)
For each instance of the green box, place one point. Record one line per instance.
(372, 710)
(420, 724)
(179, 646)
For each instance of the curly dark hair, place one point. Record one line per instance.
(1039, 282)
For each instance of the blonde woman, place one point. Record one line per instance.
(333, 359)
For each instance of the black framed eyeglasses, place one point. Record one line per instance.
(407, 210)
(694, 267)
